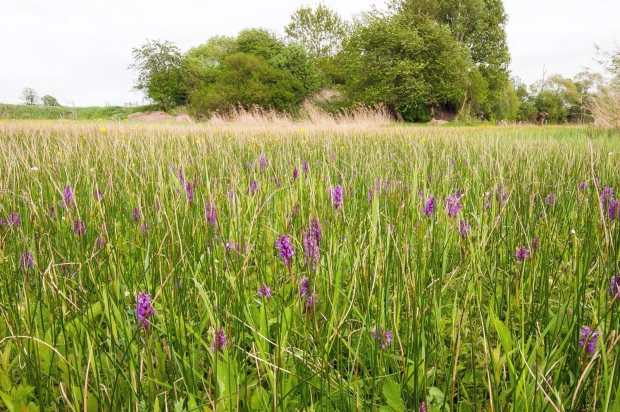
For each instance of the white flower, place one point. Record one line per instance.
(127, 293)
(573, 231)
(34, 168)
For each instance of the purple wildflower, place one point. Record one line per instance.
(305, 286)
(79, 227)
(14, 219)
(315, 228)
(100, 242)
(145, 228)
(68, 197)
(211, 214)
(312, 238)
(52, 212)
(504, 196)
(253, 187)
(219, 340)
(607, 196)
(551, 199)
(295, 211)
(27, 261)
(423, 407)
(337, 196)
(144, 309)
(583, 186)
(264, 291)
(588, 339)
(464, 228)
(312, 299)
(614, 209)
(97, 195)
(370, 195)
(305, 167)
(189, 192)
(295, 173)
(229, 246)
(2, 222)
(136, 214)
(453, 204)
(536, 244)
(614, 289)
(522, 254)
(430, 206)
(385, 338)
(284, 246)
(262, 161)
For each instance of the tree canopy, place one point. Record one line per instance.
(158, 65)
(418, 57)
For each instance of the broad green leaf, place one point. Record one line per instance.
(391, 391)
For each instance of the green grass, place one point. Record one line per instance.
(28, 112)
(473, 328)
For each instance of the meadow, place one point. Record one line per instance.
(219, 267)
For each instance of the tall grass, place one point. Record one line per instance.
(472, 327)
(606, 107)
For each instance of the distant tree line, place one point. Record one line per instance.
(419, 58)
(30, 97)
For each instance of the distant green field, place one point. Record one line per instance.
(22, 111)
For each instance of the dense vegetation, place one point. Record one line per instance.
(201, 267)
(421, 59)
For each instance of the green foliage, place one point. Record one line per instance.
(259, 42)
(212, 53)
(9, 111)
(527, 112)
(480, 25)
(321, 31)
(478, 89)
(49, 100)
(248, 80)
(295, 60)
(407, 61)
(563, 99)
(255, 69)
(159, 68)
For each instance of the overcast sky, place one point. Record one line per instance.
(78, 50)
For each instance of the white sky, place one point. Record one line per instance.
(78, 50)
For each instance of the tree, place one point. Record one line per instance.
(259, 42)
(295, 59)
(49, 100)
(320, 31)
(211, 53)
(478, 24)
(248, 80)
(29, 96)
(407, 61)
(160, 75)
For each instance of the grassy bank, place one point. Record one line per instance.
(30, 112)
